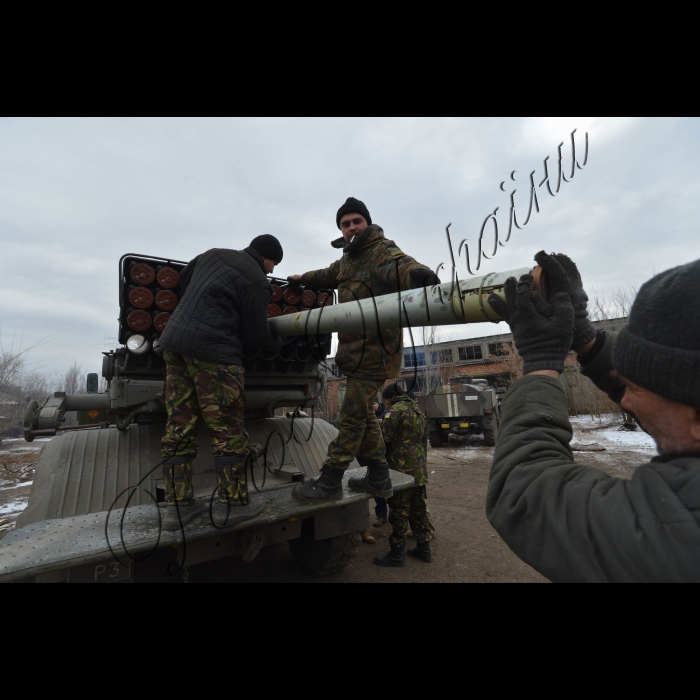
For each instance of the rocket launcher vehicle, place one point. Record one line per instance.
(149, 290)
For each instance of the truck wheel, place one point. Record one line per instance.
(490, 432)
(437, 438)
(324, 557)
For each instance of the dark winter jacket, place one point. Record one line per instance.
(224, 304)
(371, 266)
(575, 523)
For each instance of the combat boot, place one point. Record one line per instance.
(366, 537)
(377, 480)
(422, 551)
(181, 505)
(394, 557)
(233, 505)
(328, 485)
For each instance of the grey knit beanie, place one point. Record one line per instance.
(659, 348)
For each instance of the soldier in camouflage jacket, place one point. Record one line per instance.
(371, 266)
(405, 431)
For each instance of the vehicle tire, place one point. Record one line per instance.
(324, 557)
(437, 438)
(490, 430)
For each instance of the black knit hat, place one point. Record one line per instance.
(352, 206)
(268, 246)
(659, 348)
(392, 391)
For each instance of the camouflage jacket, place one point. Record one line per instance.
(405, 431)
(371, 266)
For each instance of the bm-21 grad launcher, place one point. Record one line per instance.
(95, 509)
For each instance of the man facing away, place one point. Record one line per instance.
(371, 266)
(226, 294)
(405, 430)
(573, 522)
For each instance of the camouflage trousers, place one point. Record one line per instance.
(359, 433)
(178, 483)
(196, 389)
(410, 507)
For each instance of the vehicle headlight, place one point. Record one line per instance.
(158, 349)
(137, 344)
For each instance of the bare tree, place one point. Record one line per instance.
(11, 365)
(72, 382)
(616, 304)
(432, 372)
(509, 356)
(18, 386)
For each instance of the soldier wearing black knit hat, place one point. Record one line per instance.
(370, 266)
(224, 304)
(572, 522)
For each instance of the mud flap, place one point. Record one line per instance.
(353, 517)
(255, 544)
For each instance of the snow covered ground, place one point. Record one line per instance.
(597, 443)
(587, 430)
(17, 463)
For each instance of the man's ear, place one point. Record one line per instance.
(695, 426)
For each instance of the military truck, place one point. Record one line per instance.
(95, 509)
(97, 498)
(464, 407)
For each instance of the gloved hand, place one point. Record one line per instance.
(424, 278)
(542, 330)
(294, 280)
(584, 330)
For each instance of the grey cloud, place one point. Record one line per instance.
(76, 194)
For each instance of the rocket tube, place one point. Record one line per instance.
(277, 294)
(439, 305)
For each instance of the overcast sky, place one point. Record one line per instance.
(76, 194)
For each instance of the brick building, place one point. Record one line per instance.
(489, 357)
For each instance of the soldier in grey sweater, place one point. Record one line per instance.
(572, 522)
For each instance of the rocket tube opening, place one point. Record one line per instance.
(250, 352)
(291, 295)
(166, 300)
(141, 297)
(277, 294)
(141, 273)
(308, 298)
(324, 299)
(168, 278)
(287, 353)
(160, 321)
(139, 321)
(303, 353)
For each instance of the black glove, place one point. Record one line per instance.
(294, 283)
(584, 330)
(424, 278)
(542, 330)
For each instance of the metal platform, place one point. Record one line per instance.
(110, 541)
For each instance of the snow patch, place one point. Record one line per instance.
(14, 507)
(16, 486)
